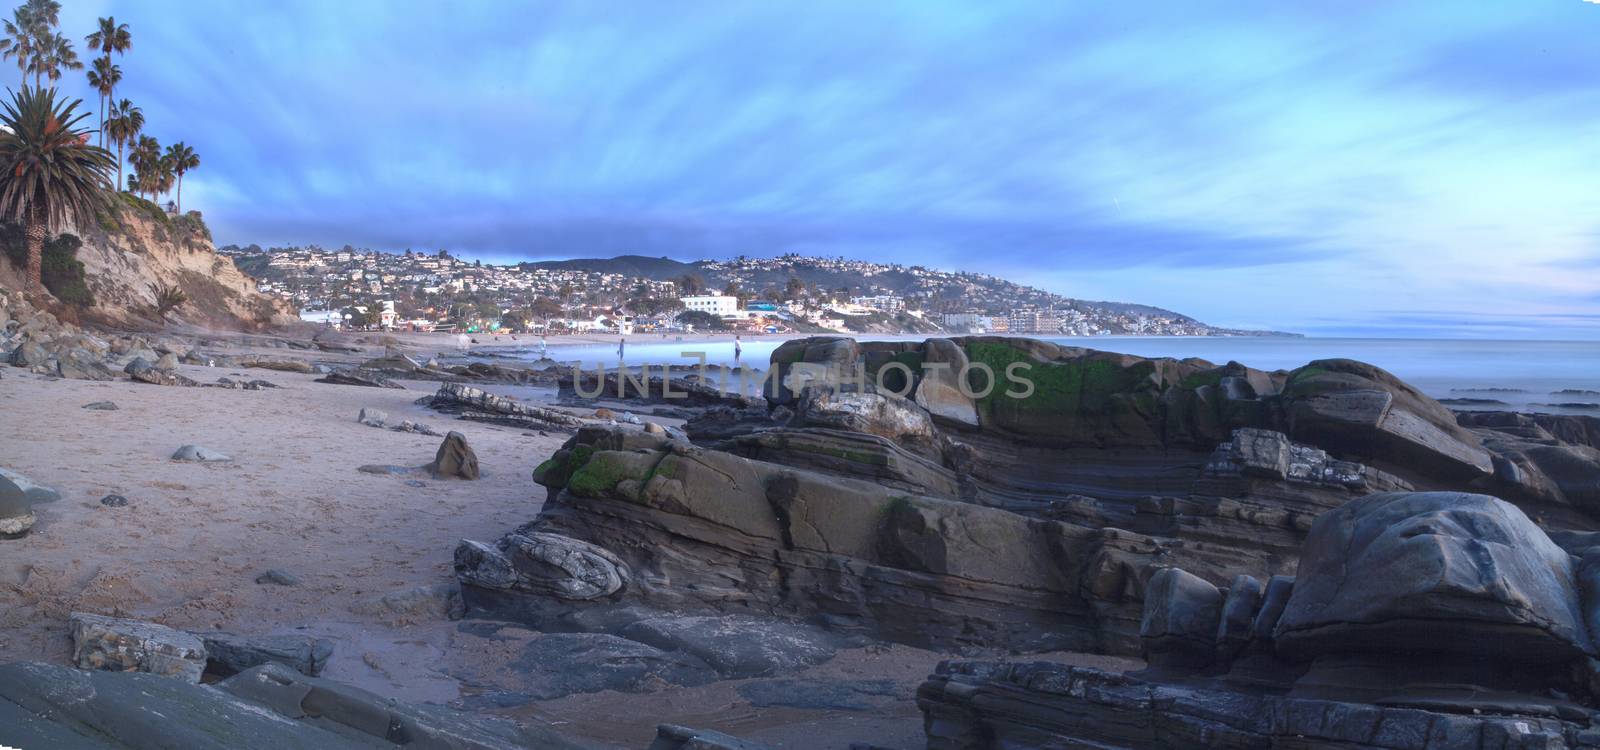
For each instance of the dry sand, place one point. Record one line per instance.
(187, 548)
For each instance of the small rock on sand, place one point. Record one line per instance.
(101, 406)
(278, 577)
(114, 501)
(199, 453)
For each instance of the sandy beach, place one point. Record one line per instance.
(187, 548)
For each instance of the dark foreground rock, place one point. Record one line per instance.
(985, 705)
(266, 708)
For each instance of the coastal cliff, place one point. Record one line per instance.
(109, 272)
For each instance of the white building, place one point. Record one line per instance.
(715, 304)
(888, 303)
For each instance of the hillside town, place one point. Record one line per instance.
(785, 294)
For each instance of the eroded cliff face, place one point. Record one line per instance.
(135, 245)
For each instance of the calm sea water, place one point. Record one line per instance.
(1523, 375)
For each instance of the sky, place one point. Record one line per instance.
(1355, 168)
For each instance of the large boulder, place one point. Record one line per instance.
(1451, 574)
(1182, 617)
(1356, 408)
(82, 364)
(819, 359)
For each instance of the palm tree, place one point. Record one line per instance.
(58, 55)
(110, 37)
(43, 17)
(49, 174)
(104, 77)
(182, 159)
(123, 125)
(144, 156)
(18, 42)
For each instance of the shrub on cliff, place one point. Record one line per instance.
(61, 270)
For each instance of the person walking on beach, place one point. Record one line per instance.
(622, 345)
(544, 346)
(737, 349)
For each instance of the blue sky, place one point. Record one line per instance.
(1366, 168)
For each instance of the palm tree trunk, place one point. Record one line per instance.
(180, 194)
(35, 239)
(119, 166)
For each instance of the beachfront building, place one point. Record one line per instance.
(720, 305)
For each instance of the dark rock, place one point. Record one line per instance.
(365, 719)
(464, 399)
(673, 737)
(735, 646)
(561, 664)
(358, 377)
(114, 501)
(101, 406)
(454, 459)
(278, 577)
(142, 371)
(228, 654)
(981, 705)
(1182, 616)
(80, 364)
(542, 564)
(1444, 573)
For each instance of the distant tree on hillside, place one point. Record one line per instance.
(123, 124)
(110, 37)
(181, 159)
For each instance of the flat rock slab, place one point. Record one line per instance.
(228, 654)
(119, 645)
(199, 453)
(101, 406)
(49, 706)
(439, 601)
(737, 646)
(561, 664)
(819, 695)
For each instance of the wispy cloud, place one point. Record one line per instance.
(1241, 162)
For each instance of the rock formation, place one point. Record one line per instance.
(1416, 620)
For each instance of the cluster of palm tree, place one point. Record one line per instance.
(31, 39)
(51, 175)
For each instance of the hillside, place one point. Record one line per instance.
(136, 246)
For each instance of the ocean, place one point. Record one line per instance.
(1548, 376)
